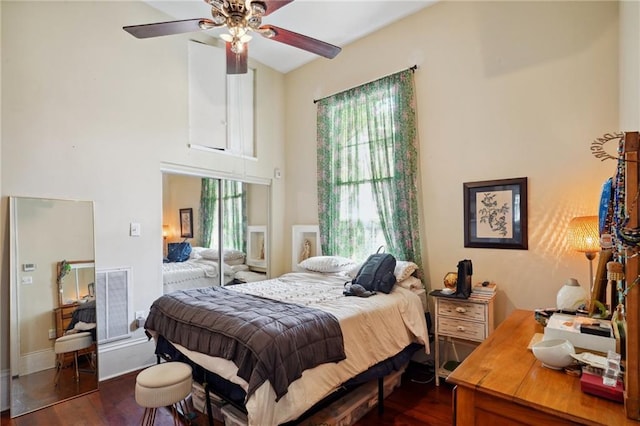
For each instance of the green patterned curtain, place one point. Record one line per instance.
(234, 212)
(234, 204)
(208, 209)
(367, 170)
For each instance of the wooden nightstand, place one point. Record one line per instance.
(469, 320)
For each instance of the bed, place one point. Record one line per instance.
(373, 330)
(201, 269)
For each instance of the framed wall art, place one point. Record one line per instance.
(495, 214)
(186, 223)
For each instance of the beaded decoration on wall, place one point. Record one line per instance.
(615, 234)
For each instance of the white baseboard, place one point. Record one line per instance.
(125, 356)
(37, 361)
(5, 395)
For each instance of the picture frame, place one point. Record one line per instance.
(495, 214)
(186, 223)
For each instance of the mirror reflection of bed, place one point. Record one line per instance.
(192, 261)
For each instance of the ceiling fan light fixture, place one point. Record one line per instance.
(258, 8)
(254, 22)
(268, 32)
(237, 47)
(218, 17)
(217, 4)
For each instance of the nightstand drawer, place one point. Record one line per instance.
(460, 328)
(462, 310)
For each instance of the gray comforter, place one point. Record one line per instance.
(266, 339)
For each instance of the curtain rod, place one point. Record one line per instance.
(315, 101)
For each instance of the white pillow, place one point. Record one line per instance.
(327, 264)
(235, 262)
(353, 271)
(411, 283)
(404, 270)
(230, 254)
(212, 254)
(195, 252)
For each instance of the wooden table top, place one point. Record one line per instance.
(503, 366)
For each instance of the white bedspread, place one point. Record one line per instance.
(192, 273)
(374, 329)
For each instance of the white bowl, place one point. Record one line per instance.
(554, 353)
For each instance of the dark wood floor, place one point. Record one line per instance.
(36, 390)
(416, 402)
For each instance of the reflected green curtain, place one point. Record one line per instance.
(234, 227)
(234, 212)
(208, 209)
(367, 142)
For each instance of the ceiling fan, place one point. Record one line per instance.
(241, 17)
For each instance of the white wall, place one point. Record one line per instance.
(91, 113)
(504, 90)
(630, 65)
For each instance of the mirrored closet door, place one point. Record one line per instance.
(206, 216)
(53, 316)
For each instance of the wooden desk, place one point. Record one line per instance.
(501, 383)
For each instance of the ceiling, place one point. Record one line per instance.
(338, 22)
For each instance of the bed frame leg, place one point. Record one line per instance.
(207, 400)
(380, 395)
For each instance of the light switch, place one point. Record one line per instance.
(27, 279)
(134, 229)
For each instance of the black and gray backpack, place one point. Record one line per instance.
(377, 273)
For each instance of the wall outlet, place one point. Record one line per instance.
(52, 333)
(141, 314)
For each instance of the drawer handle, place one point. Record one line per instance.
(461, 310)
(460, 328)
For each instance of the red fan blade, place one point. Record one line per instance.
(237, 62)
(273, 5)
(301, 41)
(168, 28)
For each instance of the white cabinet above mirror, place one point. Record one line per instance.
(221, 106)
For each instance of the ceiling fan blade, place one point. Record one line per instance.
(237, 62)
(273, 5)
(168, 28)
(300, 41)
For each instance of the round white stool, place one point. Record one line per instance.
(161, 385)
(70, 343)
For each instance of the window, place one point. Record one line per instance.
(367, 170)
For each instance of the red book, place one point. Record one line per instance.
(591, 383)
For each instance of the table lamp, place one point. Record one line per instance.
(165, 234)
(583, 235)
